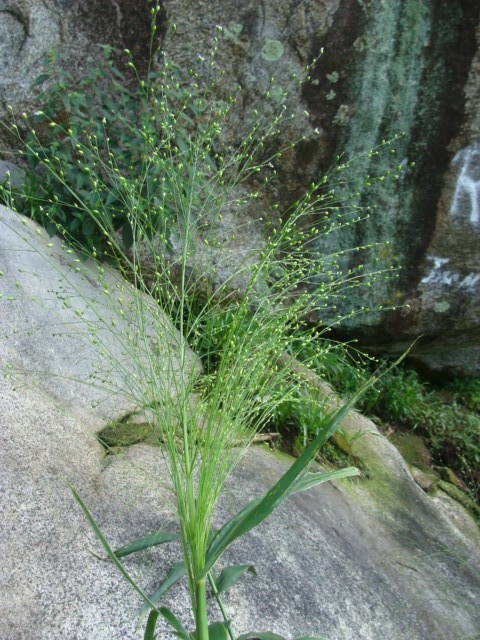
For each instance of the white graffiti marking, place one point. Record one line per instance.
(466, 198)
(438, 275)
(435, 274)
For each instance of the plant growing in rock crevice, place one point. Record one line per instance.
(170, 204)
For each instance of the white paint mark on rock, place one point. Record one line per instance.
(438, 275)
(470, 281)
(435, 274)
(466, 199)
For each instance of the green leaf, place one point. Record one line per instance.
(181, 140)
(111, 197)
(259, 509)
(108, 549)
(151, 624)
(309, 480)
(127, 235)
(117, 73)
(152, 540)
(180, 630)
(217, 631)
(88, 227)
(230, 575)
(260, 635)
(176, 573)
(41, 79)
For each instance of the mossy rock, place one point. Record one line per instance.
(123, 434)
(426, 480)
(450, 476)
(460, 496)
(413, 449)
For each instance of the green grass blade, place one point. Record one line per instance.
(230, 575)
(260, 635)
(217, 631)
(255, 512)
(151, 624)
(152, 540)
(217, 597)
(180, 630)
(309, 480)
(176, 573)
(109, 550)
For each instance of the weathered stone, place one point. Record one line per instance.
(460, 496)
(11, 174)
(368, 559)
(388, 68)
(93, 306)
(426, 481)
(29, 29)
(413, 449)
(457, 513)
(407, 67)
(450, 476)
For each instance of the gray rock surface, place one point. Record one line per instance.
(77, 320)
(368, 559)
(11, 174)
(387, 68)
(30, 29)
(448, 294)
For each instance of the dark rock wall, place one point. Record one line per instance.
(388, 67)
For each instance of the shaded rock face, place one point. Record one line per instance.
(446, 303)
(29, 29)
(388, 67)
(364, 560)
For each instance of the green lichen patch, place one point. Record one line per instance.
(441, 307)
(450, 476)
(333, 77)
(272, 50)
(342, 117)
(123, 433)
(413, 449)
(460, 496)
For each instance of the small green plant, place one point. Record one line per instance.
(146, 187)
(63, 137)
(446, 416)
(466, 392)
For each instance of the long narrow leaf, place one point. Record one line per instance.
(176, 573)
(156, 538)
(260, 635)
(258, 510)
(230, 575)
(226, 621)
(151, 624)
(180, 630)
(109, 550)
(309, 480)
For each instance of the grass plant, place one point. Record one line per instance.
(155, 208)
(446, 415)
